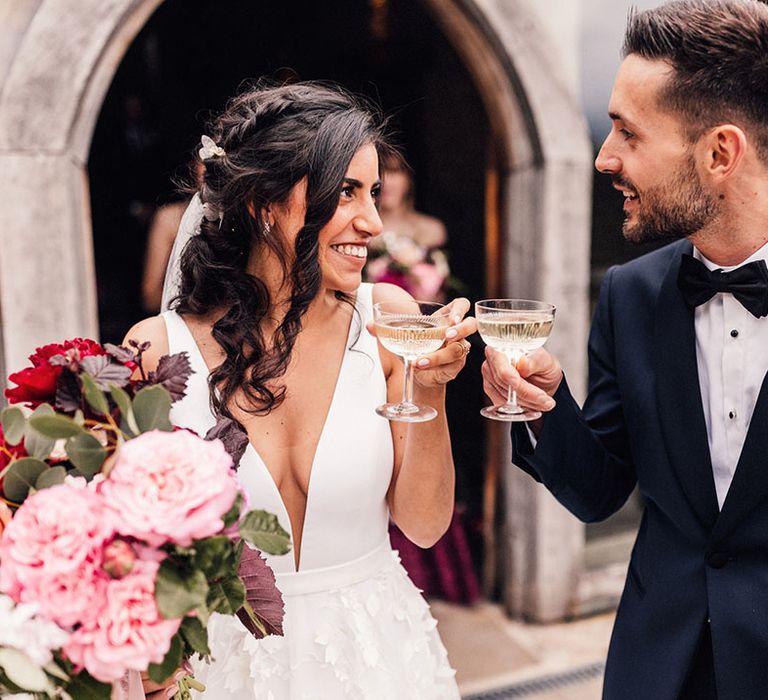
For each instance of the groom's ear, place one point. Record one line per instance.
(723, 148)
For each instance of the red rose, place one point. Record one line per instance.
(84, 347)
(37, 384)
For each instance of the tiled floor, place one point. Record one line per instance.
(490, 651)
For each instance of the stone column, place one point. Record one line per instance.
(57, 60)
(544, 160)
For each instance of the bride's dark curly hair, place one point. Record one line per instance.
(273, 138)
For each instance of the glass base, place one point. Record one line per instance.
(505, 413)
(406, 412)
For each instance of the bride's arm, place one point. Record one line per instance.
(422, 489)
(153, 330)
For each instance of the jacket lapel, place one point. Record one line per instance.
(750, 481)
(678, 397)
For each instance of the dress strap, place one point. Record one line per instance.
(180, 339)
(365, 299)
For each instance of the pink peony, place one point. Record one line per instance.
(51, 552)
(426, 279)
(170, 487)
(128, 633)
(396, 278)
(119, 558)
(72, 598)
(376, 268)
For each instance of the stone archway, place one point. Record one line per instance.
(56, 64)
(543, 189)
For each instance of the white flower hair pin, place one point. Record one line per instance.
(210, 149)
(212, 214)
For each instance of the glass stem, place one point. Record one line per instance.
(512, 395)
(408, 383)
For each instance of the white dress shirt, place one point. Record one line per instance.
(732, 359)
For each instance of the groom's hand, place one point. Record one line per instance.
(536, 378)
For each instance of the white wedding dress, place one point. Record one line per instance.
(355, 625)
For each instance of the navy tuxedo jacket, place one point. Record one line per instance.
(643, 423)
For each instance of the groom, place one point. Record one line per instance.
(678, 399)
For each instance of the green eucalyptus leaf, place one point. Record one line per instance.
(51, 477)
(203, 614)
(85, 687)
(226, 595)
(86, 453)
(195, 635)
(160, 672)
(178, 592)
(231, 516)
(55, 426)
(215, 556)
(262, 530)
(152, 407)
(13, 422)
(123, 401)
(79, 418)
(21, 478)
(93, 395)
(37, 444)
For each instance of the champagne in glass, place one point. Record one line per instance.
(514, 327)
(410, 329)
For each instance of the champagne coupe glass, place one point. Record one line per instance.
(514, 327)
(410, 329)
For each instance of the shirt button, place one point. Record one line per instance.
(734, 333)
(731, 414)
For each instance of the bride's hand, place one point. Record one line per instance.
(161, 691)
(440, 367)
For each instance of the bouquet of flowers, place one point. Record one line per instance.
(399, 260)
(126, 533)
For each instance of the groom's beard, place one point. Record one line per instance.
(670, 210)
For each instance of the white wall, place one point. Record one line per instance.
(561, 22)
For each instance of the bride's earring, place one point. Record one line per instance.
(267, 227)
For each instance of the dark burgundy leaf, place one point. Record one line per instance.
(262, 594)
(120, 353)
(141, 347)
(105, 372)
(69, 396)
(235, 439)
(172, 373)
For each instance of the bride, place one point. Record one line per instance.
(271, 309)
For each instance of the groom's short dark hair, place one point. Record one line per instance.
(719, 52)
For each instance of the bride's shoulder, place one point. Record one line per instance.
(153, 331)
(383, 291)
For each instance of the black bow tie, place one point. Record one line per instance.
(748, 283)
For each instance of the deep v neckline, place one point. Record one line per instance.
(262, 463)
